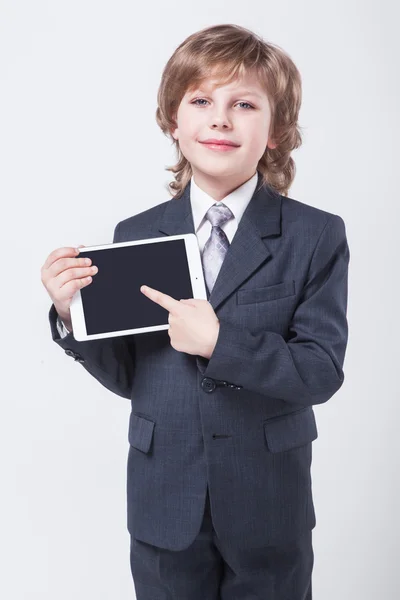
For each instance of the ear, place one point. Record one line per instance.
(271, 145)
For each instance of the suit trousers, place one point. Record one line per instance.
(209, 570)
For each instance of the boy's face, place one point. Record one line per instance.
(239, 112)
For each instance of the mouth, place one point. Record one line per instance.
(220, 145)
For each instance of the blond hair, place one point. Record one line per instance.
(232, 51)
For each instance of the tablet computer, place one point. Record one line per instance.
(113, 305)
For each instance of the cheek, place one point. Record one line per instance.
(187, 146)
(188, 123)
(257, 138)
(189, 132)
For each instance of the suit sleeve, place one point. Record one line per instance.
(307, 367)
(62, 330)
(109, 360)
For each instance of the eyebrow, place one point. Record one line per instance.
(248, 93)
(239, 93)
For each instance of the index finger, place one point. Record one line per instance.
(167, 302)
(59, 253)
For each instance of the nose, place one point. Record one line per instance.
(216, 125)
(220, 119)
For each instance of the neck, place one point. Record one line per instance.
(219, 187)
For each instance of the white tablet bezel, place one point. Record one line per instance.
(196, 279)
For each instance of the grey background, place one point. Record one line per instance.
(79, 151)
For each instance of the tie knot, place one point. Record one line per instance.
(219, 214)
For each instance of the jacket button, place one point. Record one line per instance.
(75, 355)
(208, 384)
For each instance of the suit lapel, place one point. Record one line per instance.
(247, 251)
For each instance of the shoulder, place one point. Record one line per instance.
(306, 219)
(143, 221)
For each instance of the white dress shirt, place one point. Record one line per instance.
(237, 201)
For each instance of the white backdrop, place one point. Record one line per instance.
(79, 151)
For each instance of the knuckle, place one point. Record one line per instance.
(63, 264)
(71, 287)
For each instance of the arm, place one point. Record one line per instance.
(111, 360)
(308, 368)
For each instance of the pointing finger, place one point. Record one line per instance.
(167, 302)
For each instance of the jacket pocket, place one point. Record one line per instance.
(141, 432)
(271, 292)
(290, 431)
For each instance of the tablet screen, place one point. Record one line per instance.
(113, 300)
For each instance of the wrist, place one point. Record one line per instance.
(66, 322)
(213, 342)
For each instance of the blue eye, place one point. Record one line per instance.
(204, 100)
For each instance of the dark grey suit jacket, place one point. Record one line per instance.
(241, 422)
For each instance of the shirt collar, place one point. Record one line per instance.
(237, 200)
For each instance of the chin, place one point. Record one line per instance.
(215, 170)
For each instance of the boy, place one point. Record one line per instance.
(219, 486)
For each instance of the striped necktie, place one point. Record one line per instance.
(217, 244)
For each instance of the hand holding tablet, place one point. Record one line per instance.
(113, 305)
(62, 274)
